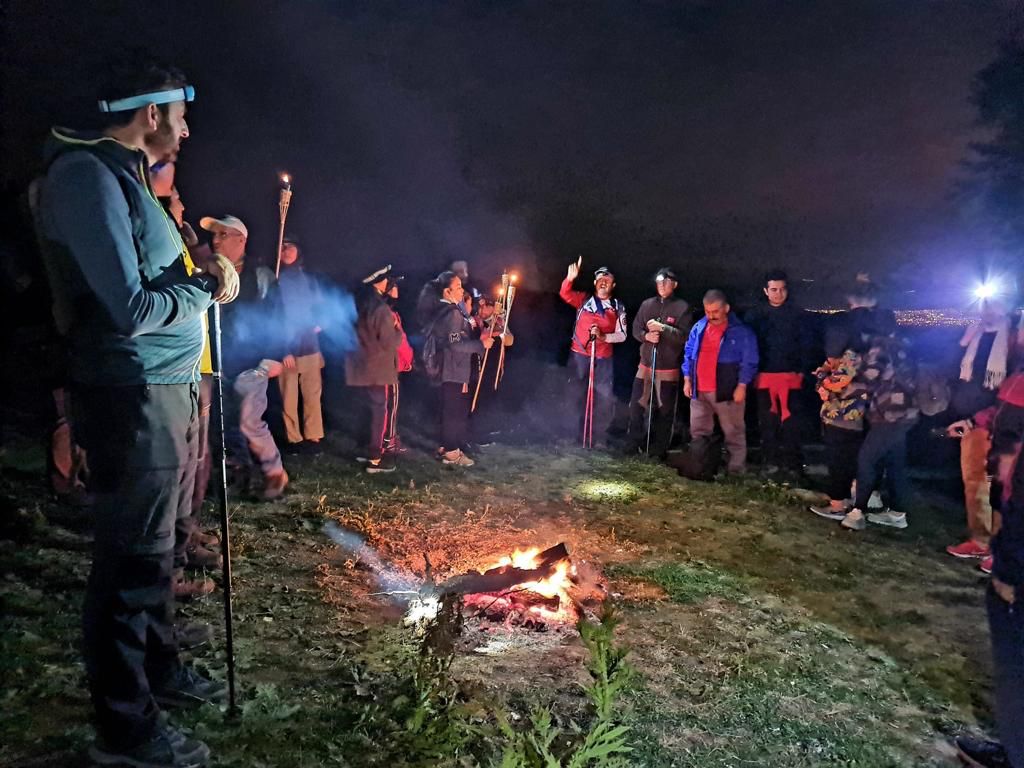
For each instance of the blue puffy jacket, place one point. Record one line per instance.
(737, 357)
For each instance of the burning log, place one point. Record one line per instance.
(505, 577)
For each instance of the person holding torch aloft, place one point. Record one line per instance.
(601, 322)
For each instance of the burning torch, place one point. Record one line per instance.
(510, 296)
(499, 305)
(283, 202)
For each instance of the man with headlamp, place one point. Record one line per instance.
(129, 300)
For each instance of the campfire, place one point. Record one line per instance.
(531, 588)
(539, 600)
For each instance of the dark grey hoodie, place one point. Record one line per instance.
(121, 267)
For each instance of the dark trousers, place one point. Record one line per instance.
(664, 413)
(188, 524)
(884, 448)
(1006, 624)
(841, 449)
(142, 443)
(454, 415)
(383, 402)
(604, 397)
(780, 440)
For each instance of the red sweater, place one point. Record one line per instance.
(611, 322)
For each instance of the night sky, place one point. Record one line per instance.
(720, 137)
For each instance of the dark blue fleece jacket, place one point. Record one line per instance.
(120, 266)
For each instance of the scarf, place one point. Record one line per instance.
(995, 366)
(779, 386)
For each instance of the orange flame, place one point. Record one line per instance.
(286, 178)
(555, 585)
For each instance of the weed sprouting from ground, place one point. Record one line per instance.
(605, 744)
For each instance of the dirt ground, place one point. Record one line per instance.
(759, 634)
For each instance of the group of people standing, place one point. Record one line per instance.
(132, 285)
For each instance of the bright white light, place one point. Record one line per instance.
(985, 291)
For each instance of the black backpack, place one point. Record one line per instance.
(701, 459)
(432, 353)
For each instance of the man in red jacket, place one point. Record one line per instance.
(601, 322)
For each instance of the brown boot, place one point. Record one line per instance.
(274, 485)
(189, 589)
(201, 557)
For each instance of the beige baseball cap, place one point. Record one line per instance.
(229, 221)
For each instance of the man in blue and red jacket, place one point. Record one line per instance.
(719, 363)
(601, 322)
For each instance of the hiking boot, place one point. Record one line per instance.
(192, 636)
(889, 518)
(189, 589)
(167, 748)
(274, 485)
(377, 466)
(986, 566)
(980, 753)
(457, 458)
(187, 688)
(968, 549)
(199, 556)
(854, 520)
(834, 510)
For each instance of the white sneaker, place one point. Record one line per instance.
(458, 458)
(888, 517)
(854, 520)
(831, 511)
(875, 502)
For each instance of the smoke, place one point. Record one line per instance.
(355, 546)
(286, 321)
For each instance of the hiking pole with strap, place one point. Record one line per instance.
(588, 414)
(650, 403)
(222, 502)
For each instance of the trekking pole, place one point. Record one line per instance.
(675, 412)
(588, 419)
(480, 379)
(222, 502)
(650, 404)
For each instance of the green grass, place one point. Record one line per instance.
(759, 634)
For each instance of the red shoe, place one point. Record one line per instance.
(969, 548)
(986, 565)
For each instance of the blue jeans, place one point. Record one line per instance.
(1006, 624)
(251, 386)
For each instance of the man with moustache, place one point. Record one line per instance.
(601, 322)
(131, 303)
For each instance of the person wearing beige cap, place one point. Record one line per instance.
(248, 365)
